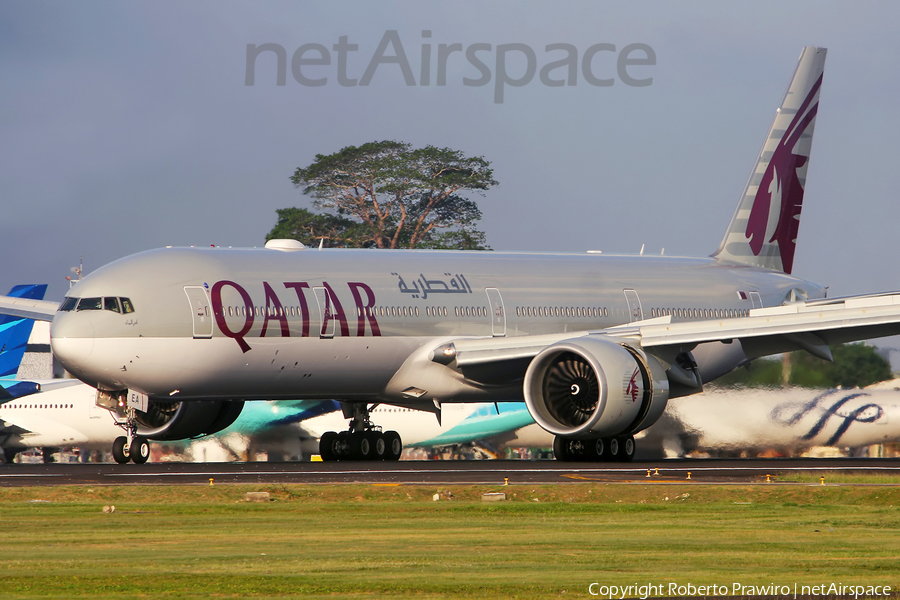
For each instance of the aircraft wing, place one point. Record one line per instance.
(811, 326)
(39, 310)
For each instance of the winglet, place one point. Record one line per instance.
(763, 231)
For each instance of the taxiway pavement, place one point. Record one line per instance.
(702, 471)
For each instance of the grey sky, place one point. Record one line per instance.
(127, 126)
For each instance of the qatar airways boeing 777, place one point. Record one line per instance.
(596, 344)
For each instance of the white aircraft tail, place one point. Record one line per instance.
(763, 231)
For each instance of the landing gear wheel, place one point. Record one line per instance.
(326, 446)
(376, 440)
(561, 449)
(628, 449)
(614, 449)
(118, 450)
(393, 446)
(596, 449)
(343, 448)
(139, 451)
(362, 446)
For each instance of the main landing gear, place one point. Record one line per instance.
(363, 441)
(619, 449)
(132, 446)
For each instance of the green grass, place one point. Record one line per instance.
(375, 542)
(840, 478)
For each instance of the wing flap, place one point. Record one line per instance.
(871, 316)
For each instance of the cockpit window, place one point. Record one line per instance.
(68, 304)
(111, 303)
(89, 304)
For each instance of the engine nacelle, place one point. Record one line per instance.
(595, 387)
(182, 420)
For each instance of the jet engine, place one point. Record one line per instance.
(182, 420)
(593, 387)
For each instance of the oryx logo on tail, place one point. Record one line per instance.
(775, 215)
(763, 231)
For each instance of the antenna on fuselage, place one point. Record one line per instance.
(321, 243)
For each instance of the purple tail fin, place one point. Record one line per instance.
(763, 231)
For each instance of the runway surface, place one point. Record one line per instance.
(702, 471)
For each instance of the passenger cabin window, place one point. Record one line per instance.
(89, 304)
(68, 304)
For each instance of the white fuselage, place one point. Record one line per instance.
(270, 324)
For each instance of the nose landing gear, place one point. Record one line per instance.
(131, 447)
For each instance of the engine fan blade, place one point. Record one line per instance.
(572, 389)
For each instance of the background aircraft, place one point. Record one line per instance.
(788, 421)
(296, 434)
(63, 413)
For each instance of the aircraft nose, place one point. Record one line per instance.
(72, 341)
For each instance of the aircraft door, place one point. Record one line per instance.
(498, 313)
(635, 312)
(95, 411)
(200, 311)
(756, 300)
(326, 319)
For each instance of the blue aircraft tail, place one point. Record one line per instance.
(14, 334)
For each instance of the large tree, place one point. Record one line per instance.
(390, 195)
(312, 229)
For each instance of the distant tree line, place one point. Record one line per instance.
(855, 365)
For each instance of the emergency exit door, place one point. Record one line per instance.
(498, 313)
(200, 311)
(635, 311)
